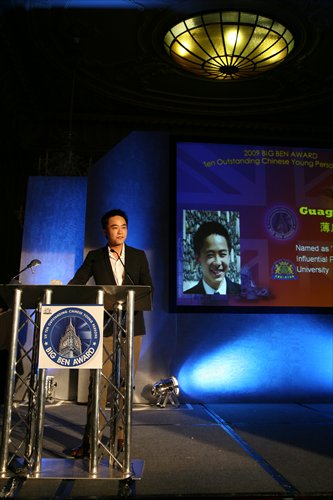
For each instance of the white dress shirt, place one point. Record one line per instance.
(118, 265)
(222, 289)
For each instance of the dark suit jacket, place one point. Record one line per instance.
(232, 288)
(97, 265)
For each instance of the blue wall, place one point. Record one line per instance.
(53, 227)
(216, 357)
(255, 357)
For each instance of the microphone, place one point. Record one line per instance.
(33, 263)
(129, 277)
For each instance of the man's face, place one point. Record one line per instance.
(116, 231)
(214, 259)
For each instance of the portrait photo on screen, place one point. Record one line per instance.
(275, 205)
(211, 253)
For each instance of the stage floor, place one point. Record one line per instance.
(201, 450)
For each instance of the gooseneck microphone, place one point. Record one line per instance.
(33, 263)
(129, 277)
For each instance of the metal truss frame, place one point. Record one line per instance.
(21, 453)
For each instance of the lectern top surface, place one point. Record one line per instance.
(32, 295)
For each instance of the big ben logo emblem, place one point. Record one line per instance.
(71, 336)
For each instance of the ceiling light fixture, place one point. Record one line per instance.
(228, 45)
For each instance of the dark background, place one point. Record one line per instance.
(74, 82)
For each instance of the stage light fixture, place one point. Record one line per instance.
(228, 45)
(166, 390)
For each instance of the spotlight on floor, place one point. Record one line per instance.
(166, 390)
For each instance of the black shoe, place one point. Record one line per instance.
(79, 452)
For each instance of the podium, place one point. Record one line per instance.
(23, 457)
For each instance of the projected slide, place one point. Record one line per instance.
(254, 225)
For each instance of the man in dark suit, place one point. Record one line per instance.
(212, 248)
(114, 264)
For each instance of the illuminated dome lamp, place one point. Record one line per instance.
(228, 45)
(166, 390)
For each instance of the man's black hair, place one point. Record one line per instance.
(112, 213)
(205, 230)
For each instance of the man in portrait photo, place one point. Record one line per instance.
(216, 263)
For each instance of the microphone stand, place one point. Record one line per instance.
(129, 277)
(33, 263)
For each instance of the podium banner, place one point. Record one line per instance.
(71, 336)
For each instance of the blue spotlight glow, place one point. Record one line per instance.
(297, 360)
